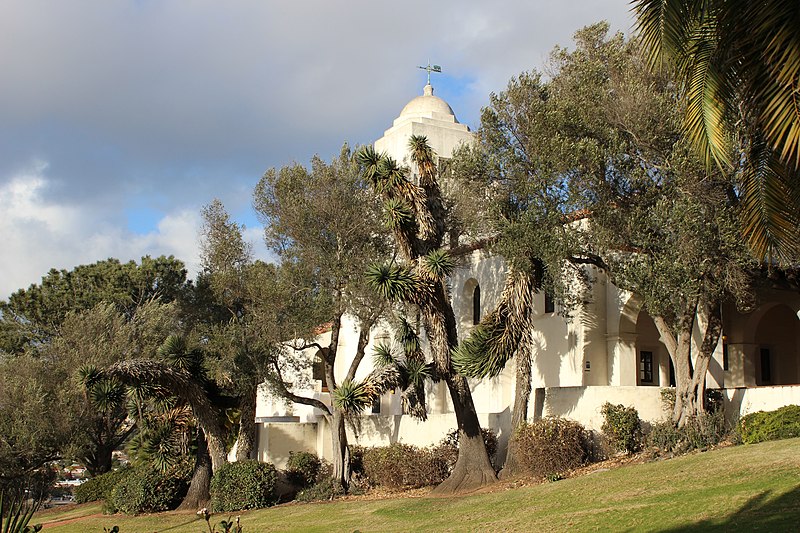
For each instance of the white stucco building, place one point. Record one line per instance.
(610, 351)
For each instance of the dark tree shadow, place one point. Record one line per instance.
(759, 513)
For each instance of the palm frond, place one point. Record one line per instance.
(424, 157)
(769, 206)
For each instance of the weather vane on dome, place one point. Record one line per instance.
(431, 68)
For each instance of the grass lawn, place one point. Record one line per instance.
(743, 488)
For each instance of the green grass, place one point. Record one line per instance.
(743, 488)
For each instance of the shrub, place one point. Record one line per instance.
(551, 446)
(325, 489)
(303, 468)
(706, 430)
(403, 465)
(243, 485)
(664, 436)
(622, 427)
(783, 423)
(100, 487)
(701, 432)
(146, 489)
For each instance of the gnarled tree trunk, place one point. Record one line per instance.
(247, 425)
(690, 376)
(341, 453)
(198, 494)
(519, 416)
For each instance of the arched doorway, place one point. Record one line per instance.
(653, 364)
(776, 340)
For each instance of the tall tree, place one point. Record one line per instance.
(418, 218)
(324, 225)
(738, 64)
(596, 172)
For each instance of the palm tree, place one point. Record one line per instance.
(739, 64)
(416, 216)
(180, 373)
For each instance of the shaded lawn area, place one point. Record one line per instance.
(742, 488)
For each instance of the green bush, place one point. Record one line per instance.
(100, 487)
(402, 465)
(302, 469)
(243, 485)
(325, 489)
(552, 446)
(783, 423)
(622, 427)
(149, 490)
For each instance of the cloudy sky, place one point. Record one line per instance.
(119, 119)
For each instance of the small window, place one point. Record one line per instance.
(476, 305)
(725, 361)
(318, 371)
(645, 367)
(671, 373)
(376, 406)
(549, 303)
(766, 368)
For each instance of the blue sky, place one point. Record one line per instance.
(120, 119)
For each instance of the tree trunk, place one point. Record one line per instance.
(690, 377)
(247, 426)
(473, 468)
(216, 449)
(198, 495)
(341, 453)
(522, 395)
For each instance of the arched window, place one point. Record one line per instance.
(476, 305)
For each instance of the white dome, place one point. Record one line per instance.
(427, 106)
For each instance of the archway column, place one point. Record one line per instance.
(622, 364)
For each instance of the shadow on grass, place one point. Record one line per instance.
(759, 513)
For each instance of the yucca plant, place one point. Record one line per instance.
(15, 515)
(392, 281)
(438, 264)
(383, 355)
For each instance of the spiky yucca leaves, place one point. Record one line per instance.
(501, 333)
(389, 179)
(398, 213)
(352, 397)
(395, 282)
(15, 514)
(438, 264)
(422, 154)
(177, 352)
(407, 336)
(383, 355)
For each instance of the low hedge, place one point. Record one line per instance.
(552, 446)
(405, 466)
(100, 487)
(243, 485)
(783, 423)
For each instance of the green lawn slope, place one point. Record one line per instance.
(743, 488)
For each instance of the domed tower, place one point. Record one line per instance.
(426, 115)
